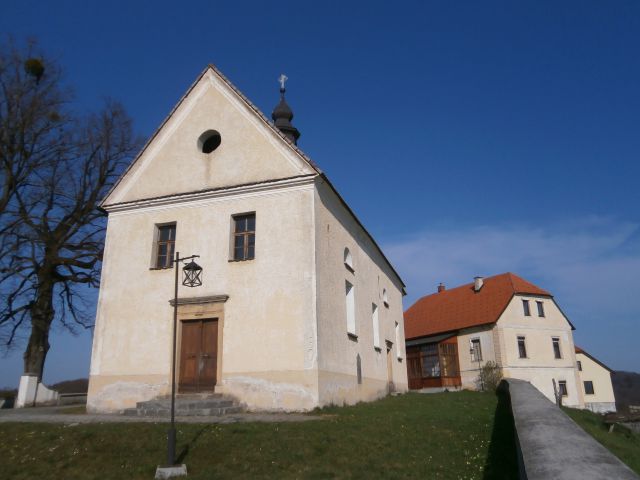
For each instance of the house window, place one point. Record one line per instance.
(385, 298)
(579, 365)
(562, 386)
(244, 236)
(165, 247)
(556, 347)
(588, 387)
(540, 308)
(525, 306)
(359, 369)
(376, 326)
(522, 349)
(348, 260)
(476, 350)
(351, 308)
(398, 354)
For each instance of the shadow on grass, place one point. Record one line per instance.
(185, 451)
(502, 460)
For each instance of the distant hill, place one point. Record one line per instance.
(79, 385)
(626, 387)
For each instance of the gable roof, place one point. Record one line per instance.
(269, 125)
(462, 307)
(580, 350)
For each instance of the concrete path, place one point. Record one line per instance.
(58, 415)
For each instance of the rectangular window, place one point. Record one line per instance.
(562, 386)
(579, 366)
(525, 306)
(556, 347)
(398, 352)
(522, 349)
(376, 325)
(351, 308)
(588, 387)
(430, 360)
(244, 236)
(540, 308)
(476, 350)
(165, 246)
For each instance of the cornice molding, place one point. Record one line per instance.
(213, 194)
(200, 300)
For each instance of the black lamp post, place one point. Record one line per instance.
(192, 278)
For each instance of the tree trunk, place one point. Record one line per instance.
(41, 318)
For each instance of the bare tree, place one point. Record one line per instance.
(56, 167)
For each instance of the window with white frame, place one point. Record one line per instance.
(522, 347)
(398, 351)
(562, 386)
(556, 347)
(476, 350)
(376, 325)
(348, 260)
(351, 308)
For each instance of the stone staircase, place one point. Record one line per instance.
(187, 405)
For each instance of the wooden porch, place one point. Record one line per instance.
(434, 364)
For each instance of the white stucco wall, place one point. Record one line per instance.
(603, 398)
(172, 163)
(336, 230)
(469, 369)
(269, 332)
(540, 367)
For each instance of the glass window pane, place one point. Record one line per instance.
(238, 253)
(241, 224)
(239, 241)
(252, 240)
(250, 251)
(251, 223)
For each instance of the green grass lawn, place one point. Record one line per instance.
(466, 435)
(622, 442)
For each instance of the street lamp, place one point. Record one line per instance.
(192, 277)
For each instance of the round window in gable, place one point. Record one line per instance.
(209, 141)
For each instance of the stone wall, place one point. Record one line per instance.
(551, 445)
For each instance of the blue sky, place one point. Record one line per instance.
(471, 138)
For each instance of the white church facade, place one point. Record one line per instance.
(299, 307)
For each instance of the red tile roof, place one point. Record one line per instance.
(462, 307)
(579, 350)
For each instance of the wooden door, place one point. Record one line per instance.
(198, 355)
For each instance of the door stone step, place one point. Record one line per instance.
(186, 406)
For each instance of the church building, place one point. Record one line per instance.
(298, 307)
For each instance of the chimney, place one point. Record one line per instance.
(477, 283)
(441, 287)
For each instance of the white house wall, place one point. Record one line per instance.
(336, 229)
(603, 399)
(269, 347)
(469, 369)
(540, 367)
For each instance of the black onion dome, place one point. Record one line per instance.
(282, 116)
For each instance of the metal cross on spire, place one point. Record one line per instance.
(283, 78)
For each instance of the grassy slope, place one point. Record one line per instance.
(621, 442)
(449, 435)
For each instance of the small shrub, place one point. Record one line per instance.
(489, 377)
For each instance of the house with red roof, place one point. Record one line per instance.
(505, 319)
(595, 381)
